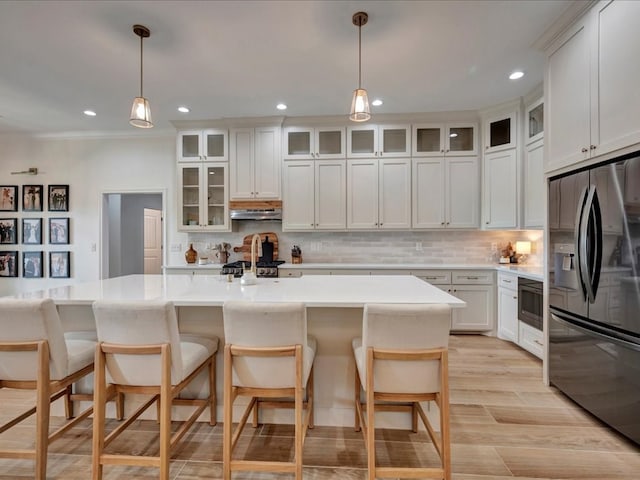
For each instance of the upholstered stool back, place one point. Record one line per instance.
(31, 320)
(257, 324)
(405, 327)
(139, 323)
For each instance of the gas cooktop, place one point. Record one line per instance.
(263, 269)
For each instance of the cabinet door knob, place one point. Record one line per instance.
(441, 223)
(487, 223)
(441, 151)
(592, 147)
(584, 150)
(487, 147)
(515, 298)
(447, 223)
(448, 150)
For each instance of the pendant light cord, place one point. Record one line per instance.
(359, 53)
(141, 38)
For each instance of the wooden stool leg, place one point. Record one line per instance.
(42, 412)
(371, 431)
(119, 406)
(414, 417)
(227, 415)
(213, 402)
(444, 416)
(310, 402)
(356, 399)
(68, 403)
(99, 404)
(165, 413)
(298, 413)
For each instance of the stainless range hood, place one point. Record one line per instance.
(255, 209)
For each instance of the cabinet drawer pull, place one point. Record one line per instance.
(431, 278)
(473, 278)
(506, 281)
(538, 342)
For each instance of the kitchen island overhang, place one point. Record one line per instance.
(334, 312)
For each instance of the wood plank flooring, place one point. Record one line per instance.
(505, 425)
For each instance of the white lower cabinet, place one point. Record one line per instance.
(508, 328)
(476, 287)
(531, 339)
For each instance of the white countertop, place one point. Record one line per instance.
(349, 291)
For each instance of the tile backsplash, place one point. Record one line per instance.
(388, 247)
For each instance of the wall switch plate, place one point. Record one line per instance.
(418, 246)
(176, 247)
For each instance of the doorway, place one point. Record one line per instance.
(133, 233)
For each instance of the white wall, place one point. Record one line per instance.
(90, 167)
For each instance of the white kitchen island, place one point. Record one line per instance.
(334, 313)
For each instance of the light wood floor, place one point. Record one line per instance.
(505, 425)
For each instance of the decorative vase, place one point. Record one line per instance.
(191, 255)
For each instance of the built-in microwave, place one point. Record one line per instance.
(530, 302)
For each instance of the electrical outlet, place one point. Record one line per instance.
(176, 247)
(418, 246)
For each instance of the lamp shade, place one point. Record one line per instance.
(141, 113)
(523, 248)
(360, 111)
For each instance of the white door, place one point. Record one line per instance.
(394, 193)
(298, 196)
(241, 164)
(267, 162)
(152, 241)
(507, 314)
(362, 194)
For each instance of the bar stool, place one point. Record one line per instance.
(36, 354)
(140, 351)
(401, 360)
(267, 354)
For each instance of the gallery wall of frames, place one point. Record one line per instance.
(35, 231)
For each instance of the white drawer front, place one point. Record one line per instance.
(435, 277)
(473, 277)
(531, 340)
(509, 281)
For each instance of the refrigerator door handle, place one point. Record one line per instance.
(581, 242)
(593, 333)
(595, 216)
(586, 270)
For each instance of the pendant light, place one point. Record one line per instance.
(140, 111)
(360, 111)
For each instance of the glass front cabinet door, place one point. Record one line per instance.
(203, 197)
(534, 118)
(500, 132)
(438, 140)
(194, 145)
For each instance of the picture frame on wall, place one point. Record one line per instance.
(8, 230)
(58, 198)
(8, 198)
(59, 231)
(8, 263)
(59, 265)
(32, 198)
(32, 264)
(32, 231)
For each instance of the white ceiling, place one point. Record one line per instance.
(240, 58)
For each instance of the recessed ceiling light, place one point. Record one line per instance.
(89, 113)
(377, 102)
(516, 75)
(183, 109)
(281, 106)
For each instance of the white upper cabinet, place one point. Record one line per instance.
(379, 194)
(367, 141)
(591, 85)
(500, 205)
(534, 186)
(445, 192)
(534, 121)
(202, 201)
(202, 145)
(437, 140)
(255, 163)
(500, 131)
(314, 195)
(303, 143)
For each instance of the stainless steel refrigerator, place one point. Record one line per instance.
(594, 290)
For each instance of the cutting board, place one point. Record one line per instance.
(246, 245)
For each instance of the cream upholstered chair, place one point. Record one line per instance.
(401, 359)
(36, 354)
(267, 354)
(141, 351)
